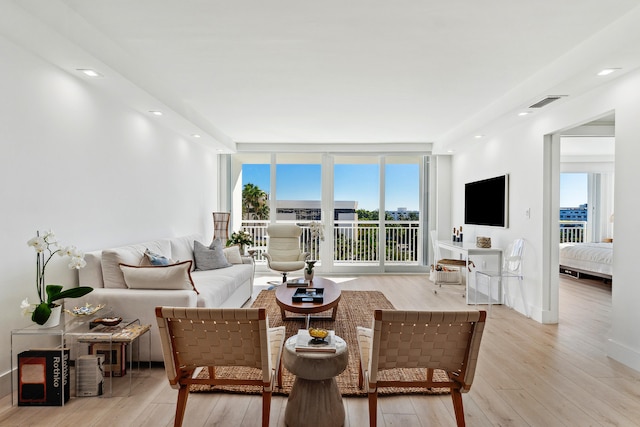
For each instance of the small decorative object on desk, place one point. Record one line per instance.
(296, 283)
(483, 242)
(85, 310)
(46, 246)
(307, 342)
(308, 295)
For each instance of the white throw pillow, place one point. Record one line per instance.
(174, 276)
(232, 254)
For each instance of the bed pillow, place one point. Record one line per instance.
(232, 254)
(211, 257)
(173, 276)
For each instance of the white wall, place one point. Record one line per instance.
(76, 161)
(519, 151)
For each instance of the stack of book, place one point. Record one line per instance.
(297, 283)
(304, 342)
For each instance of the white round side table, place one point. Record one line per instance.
(315, 400)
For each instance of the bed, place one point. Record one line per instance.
(594, 259)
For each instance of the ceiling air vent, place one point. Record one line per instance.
(545, 101)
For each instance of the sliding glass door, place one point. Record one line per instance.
(368, 206)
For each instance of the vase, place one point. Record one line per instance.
(54, 317)
(308, 276)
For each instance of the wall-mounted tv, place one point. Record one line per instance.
(486, 202)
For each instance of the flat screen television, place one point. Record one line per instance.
(486, 202)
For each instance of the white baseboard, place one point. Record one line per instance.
(623, 354)
(5, 384)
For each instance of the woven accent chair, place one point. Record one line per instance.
(445, 340)
(283, 249)
(210, 337)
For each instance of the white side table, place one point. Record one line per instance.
(315, 400)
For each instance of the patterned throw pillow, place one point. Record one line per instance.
(153, 258)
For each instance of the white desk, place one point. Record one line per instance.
(467, 249)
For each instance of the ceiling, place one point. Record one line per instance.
(362, 72)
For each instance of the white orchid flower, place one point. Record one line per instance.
(71, 251)
(38, 243)
(49, 236)
(77, 263)
(25, 306)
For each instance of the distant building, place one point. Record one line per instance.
(310, 210)
(402, 213)
(574, 214)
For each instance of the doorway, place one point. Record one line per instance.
(586, 149)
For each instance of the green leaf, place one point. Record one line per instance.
(41, 313)
(69, 293)
(52, 291)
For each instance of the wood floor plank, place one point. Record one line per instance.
(528, 374)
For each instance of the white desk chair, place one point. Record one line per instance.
(511, 268)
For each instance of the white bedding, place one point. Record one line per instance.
(590, 257)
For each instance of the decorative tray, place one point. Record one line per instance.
(85, 310)
(308, 295)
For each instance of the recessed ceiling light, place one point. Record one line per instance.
(524, 113)
(608, 71)
(156, 113)
(89, 72)
(450, 151)
(195, 135)
(478, 136)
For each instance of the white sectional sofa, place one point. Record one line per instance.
(180, 285)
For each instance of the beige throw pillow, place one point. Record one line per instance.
(232, 254)
(174, 276)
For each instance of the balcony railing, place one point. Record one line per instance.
(573, 231)
(353, 241)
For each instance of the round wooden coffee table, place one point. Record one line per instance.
(330, 301)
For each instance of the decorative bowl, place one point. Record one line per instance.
(318, 334)
(108, 321)
(85, 310)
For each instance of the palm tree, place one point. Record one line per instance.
(254, 202)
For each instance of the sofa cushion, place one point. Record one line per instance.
(182, 248)
(216, 286)
(173, 276)
(130, 255)
(232, 254)
(209, 258)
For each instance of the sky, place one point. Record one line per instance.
(359, 182)
(573, 189)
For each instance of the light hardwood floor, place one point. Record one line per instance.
(528, 375)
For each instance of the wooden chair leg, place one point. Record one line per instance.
(280, 374)
(212, 372)
(360, 376)
(181, 405)
(266, 408)
(456, 396)
(373, 408)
